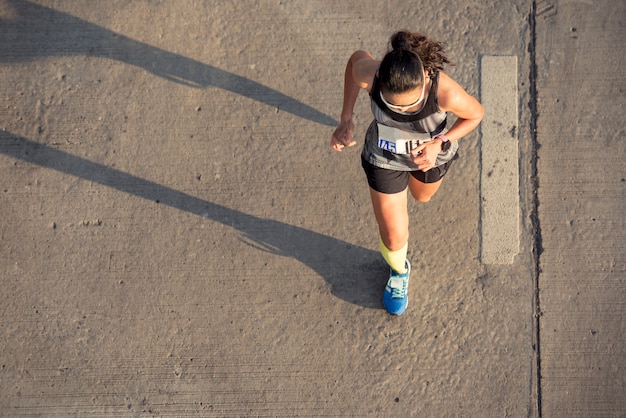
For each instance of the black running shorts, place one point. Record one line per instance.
(392, 181)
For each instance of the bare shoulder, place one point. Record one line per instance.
(364, 68)
(448, 87)
(452, 97)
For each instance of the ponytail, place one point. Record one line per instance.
(411, 53)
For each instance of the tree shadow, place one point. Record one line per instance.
(353, 272)
(39, 31)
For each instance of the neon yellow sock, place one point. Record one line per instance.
(395, 259)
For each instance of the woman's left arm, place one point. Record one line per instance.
(469, 112)
(454, 99)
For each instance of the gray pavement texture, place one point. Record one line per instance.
(177, 238)
(580, 64)
(499, 160)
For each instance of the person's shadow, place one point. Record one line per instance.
(355, 274)
(33, 32)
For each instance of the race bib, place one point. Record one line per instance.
(398, 141)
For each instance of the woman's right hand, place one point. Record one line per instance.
(342, 137)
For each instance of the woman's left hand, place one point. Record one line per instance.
(425, 155)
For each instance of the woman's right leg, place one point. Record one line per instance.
(389, 194)
(393, 224)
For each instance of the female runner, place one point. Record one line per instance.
(408, 146)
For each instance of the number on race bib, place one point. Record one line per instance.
(387, 145)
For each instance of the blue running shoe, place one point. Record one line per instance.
(396, 297)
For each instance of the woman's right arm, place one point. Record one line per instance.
(359, 74)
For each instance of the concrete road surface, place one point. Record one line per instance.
(178, 239)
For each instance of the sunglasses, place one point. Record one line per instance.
(402, 108)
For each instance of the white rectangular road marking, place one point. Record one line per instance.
(499, 184)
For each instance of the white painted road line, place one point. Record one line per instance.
(499, 182)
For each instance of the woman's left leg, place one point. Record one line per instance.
(423, 192)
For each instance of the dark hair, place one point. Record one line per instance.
(402, 68)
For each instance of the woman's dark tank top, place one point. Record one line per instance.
(429, 120)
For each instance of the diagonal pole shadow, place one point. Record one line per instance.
(354, 273)
(36, 32)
